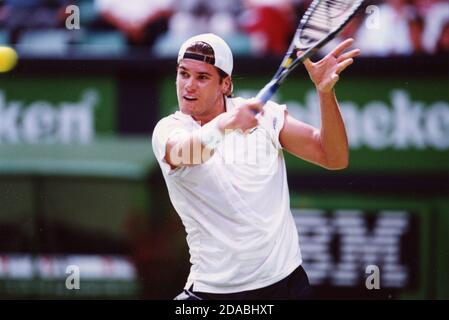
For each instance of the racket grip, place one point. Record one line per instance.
(268, 91)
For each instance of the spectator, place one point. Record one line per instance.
(416, 29)
(142, 21)
(201, 16)
(442, 45)
(391, 33)
(20, 15)
(435, 17)
(270, 25)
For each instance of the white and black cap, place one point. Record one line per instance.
(222, 53)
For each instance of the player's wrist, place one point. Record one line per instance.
(211, 134)
(325, 90)
(222, 122)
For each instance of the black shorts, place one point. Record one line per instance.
(294, 287)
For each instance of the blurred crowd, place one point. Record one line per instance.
(251, 27)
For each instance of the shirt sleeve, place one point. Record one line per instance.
(166, 129)
(274, 120)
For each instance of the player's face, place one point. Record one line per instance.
(199, 90)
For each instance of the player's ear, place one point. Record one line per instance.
(227, 86)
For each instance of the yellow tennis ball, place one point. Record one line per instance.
(8, 58)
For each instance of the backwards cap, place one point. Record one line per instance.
(222, 53)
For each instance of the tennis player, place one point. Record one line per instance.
(222, 160)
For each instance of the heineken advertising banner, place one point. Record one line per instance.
(393, 123)
(55, 110)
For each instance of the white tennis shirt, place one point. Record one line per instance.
(235, 206)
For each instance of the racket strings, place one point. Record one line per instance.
(323, 18)
(331, 9)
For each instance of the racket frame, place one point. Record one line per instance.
(291, 60)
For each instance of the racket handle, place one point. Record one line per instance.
(268, 91)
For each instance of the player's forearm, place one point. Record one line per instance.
(334, 141)
(186, 152)
(198, 146)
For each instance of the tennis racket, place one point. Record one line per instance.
(321, 22)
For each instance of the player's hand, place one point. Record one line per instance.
(243, 117)
(325, 73)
